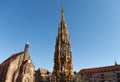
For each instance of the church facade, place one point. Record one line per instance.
(17, 68)
(20, 68)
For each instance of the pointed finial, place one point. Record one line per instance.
(116, 62)
(26, 46)
(62, 14)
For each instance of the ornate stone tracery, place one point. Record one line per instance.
(63, 56)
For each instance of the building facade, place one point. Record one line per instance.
(17, 68)
(63, 70)
(42, 75)
(100, 74)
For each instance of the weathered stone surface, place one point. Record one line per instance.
(17, 68)
(63, 70)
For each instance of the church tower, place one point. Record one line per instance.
(63, 70)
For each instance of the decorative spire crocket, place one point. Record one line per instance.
(63, 69)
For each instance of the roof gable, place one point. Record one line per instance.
(10, 58)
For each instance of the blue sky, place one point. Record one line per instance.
(94, 29)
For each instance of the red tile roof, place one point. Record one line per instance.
(43, 71)
(100, 69)
(9, 59)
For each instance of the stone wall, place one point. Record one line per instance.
(13, 68)
(17, 68)
(3, 72)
